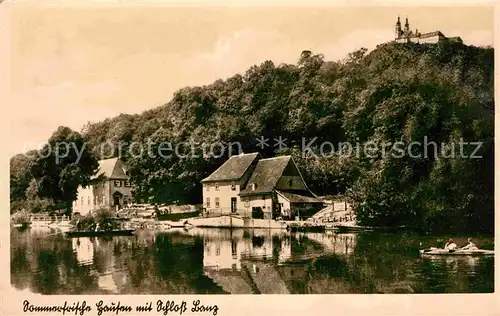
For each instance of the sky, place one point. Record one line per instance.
(72, 65)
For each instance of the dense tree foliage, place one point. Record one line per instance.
(441, 93)
(50, 177)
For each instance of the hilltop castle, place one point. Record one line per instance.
(407, 36)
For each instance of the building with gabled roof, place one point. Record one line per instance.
(405, 35)
(253, 187)
(114, 190)
(111, 168)
(233, 169)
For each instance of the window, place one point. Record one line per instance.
(127, 184)
(207, 203)
(216, 187)
(234, 248)
(103, 199)
(96, 200)
(88, 200)
(253, 186)
(233, 186)
(290, 183)
(208, 187)
(216, 202)
(118, 183)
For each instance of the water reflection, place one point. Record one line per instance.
(84, 250)
(238, 262)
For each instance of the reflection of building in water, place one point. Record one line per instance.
(241, 262)
(227, 253)
(335, 243)
(99, 253)
(84, 250)
(285, 251)
(235, 263)
(259, 247)
(222, 254)
(113, 277)
(145, 238)
(222, 263)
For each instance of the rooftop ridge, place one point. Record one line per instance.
(116, 158)
(277, 157)
(244, 154)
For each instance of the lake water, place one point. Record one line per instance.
(214, 261)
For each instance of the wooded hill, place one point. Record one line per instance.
(396, 93)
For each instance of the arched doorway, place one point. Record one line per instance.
(117, 199)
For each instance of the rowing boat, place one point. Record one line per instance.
(91, 233)
(457, 252)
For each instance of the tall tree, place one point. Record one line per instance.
(62, 165)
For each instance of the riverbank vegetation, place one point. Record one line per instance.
(102, 216)
(406, 93)
(21, 217)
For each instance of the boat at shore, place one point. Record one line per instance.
(99, 233)
(457, 252)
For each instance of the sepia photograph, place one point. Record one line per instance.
(189, 150)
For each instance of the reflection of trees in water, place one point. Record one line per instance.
(46, 264)
(482, 281)
(459, 274)
(165, 263)
(331, 266)
(393, 264)
(380, 263)
(385, 264)
(174, 265)
(49, 265)
(19, 266)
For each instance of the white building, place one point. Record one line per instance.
(254, 187)
(407, 36)
(115, 190)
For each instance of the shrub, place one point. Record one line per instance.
(21, 217)
(86, 222)
(105, 217)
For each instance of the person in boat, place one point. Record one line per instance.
(470, 245)
(97, 227)
(450, 245)
(440, 243)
